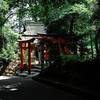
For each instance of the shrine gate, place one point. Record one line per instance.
(43, 49)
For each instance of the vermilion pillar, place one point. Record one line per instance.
(46, 53)
(66, 50)
(21, 57)
(46, 49)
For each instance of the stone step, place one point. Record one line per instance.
(24, 74)
(35, 66)
(36, 70)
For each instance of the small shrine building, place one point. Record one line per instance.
(34, 40)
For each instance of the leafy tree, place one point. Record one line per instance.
(61, 17)
(95, 20)
(8, 52)
(3, 11)
(75, 18)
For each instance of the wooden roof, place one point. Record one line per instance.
(32, 28)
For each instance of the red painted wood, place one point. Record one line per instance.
(66, 50)
(46, 53)
(46, 49)
(43, 38)
(24, 45)
(59, 47)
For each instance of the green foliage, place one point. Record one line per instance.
(70, 58)
(9, 51)
(3, 10)
(62, 17)
(3, 5)
(53, 52)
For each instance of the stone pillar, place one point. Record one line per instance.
(29, 58)
(42, 55)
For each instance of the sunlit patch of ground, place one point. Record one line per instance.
(7, 77)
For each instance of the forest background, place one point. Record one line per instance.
(76, 20)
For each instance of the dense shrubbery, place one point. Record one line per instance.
(75, 72)
(9, 48)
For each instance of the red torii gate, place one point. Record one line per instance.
(51, 38)
(44, 38)
(25, 44)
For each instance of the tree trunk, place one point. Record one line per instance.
(96, 43)
(71, 25)
(91, 46)
(1, 38)
(96, 46)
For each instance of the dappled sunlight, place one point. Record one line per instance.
(9, 83)
(7, 77)
(14, 89)
(11, 87)
(4, 78)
